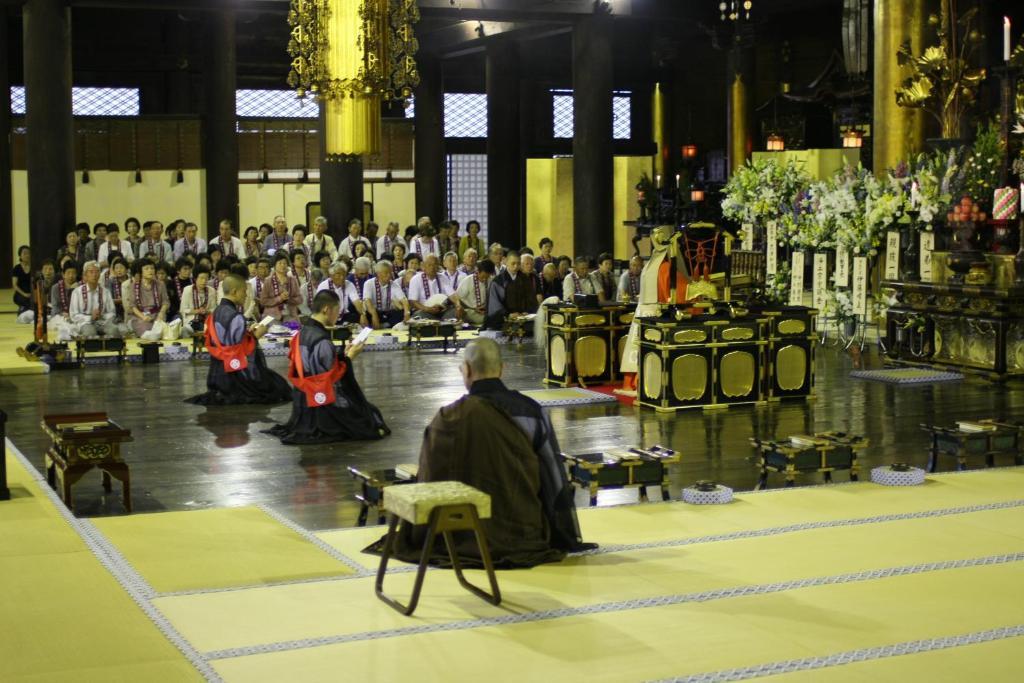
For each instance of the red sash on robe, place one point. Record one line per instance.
(319, 389)
(234, 357)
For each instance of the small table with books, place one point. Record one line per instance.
(619, 468)
(973, 439)
(824, 452)
(372, 484)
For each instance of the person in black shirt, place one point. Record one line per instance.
(22, 280)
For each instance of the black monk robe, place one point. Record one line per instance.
(348, 417)
(252, 381)
(502, 443)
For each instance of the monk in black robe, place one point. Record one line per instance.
(327, 402)
(238, 371)
(511, 291)
(502, 443)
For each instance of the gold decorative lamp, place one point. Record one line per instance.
(351, 55)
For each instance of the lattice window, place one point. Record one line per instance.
(562, 114)
(467, 190)
(465, 115)
(89, 101)
(275, 104)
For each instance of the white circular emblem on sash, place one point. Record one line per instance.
(235, 363)
(320, 397)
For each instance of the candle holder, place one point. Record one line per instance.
(1008, 75)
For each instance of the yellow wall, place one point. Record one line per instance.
(114, 196)
(549, 207)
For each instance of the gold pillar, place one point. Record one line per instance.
(897, 133)
(659, 125)
(741, 121)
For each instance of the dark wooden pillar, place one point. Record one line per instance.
(504, 182)
(178, 80)
(6, 206)
(592, 166)
(50, 141)
(341, 189)
(431, 167)
(220, 139)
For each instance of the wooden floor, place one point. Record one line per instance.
(188, 457)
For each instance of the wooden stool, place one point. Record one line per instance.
(81, 442)
(445, 506)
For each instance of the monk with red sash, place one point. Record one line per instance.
(238, 371)
(327, 402)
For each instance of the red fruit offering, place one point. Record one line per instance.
(982, 216)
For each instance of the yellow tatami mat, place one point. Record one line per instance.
(63, 616)
(180, 551)
(12, 336)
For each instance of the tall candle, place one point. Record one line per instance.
(1006, 39)
(657, 181)
(677, 180)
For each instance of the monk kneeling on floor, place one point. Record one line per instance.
(502, 443)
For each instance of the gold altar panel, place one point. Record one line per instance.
(690, 336)
(652, 375)
(792, 326)
(556, 319)
(737, 373)
(652, 335)
(689, 376)
(737, 333)
(791, 367)
(591, 356)
(626, 318)
(557, 355)
(590, 319)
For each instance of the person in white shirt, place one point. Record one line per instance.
(92, 306)
(578, 281)
(228, 243)
(197, 301)
(114, 245)
(307, 284)
(351, 304)
(190, 243)
(262, 272)
(154, 243)
(424, 243)
(386, 244)
(424, 290)
(629, 281)
(469, 259)
(348, 245)
(383, 298)
(450, 276)
(278, 239)
(319, 240)
(471, 296)
(360, 274)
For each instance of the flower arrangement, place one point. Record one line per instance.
(981, 165)
(839, 305)
(776, 289)
(762, 190)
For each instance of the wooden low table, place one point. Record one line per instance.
(995, 438)
(825, 452)
(624, 468)
(371, 488)
(418, 329)
(518, 328)
(84, 345)
(198, 343)
(82, 441)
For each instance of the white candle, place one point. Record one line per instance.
(677, 181)
(1006, 39)
(657, 181)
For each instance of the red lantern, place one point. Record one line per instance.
(688, 151)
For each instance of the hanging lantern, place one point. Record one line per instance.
(853, 139)
(775, 143)
(696, 195)
(352, 55)
(688, 151)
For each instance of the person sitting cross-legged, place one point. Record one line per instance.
(327, 403)
(511, 292)
(578, 280)
(471, 296)
(386, 304)
(92, 307)
(502, 443)
(351, 308)
(427, 293)
(281, 296)
(197, 300)
(59, 319)
(148, 303)
(238, 371)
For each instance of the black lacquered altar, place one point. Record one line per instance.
(585, 345)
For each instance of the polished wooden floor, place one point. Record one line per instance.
(188, 457)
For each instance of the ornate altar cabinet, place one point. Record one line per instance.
(584, 345)
(725, 357)
(978, 329)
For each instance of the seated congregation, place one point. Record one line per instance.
(155, 282)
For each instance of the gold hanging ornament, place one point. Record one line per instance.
(351, 55)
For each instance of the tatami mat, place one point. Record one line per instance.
(179, 551)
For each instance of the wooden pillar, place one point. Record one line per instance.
(6, 205)
(504, 182)
(897, 133)
(740, 110)
(220, 138)
(431, 166)
(178, 80)
(50, 137)
(341, 188)
(592, 137)
(660, 128)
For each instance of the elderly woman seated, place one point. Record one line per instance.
(280, 296)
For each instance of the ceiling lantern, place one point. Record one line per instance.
(852, 139)
(776, 143)
(352, 55)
